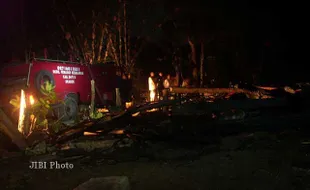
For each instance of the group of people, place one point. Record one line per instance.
(158, 86)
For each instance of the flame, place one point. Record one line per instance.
(152, 88)
(289, 90)
(117, 132)
(135, 114)
(128, 104)
(22, 108)
(266, 87)
(103, 110)
(32, 117)
(31, 100)
(90, 134)
(152, 110)
(152, 95)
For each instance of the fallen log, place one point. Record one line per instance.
(116, 122)
(249, 104)
(73, 132)
(92, 126)
(266, 88)
(148, 106)
(181, 90)
(120, 121)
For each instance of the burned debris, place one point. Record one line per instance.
(131, 95)
(175, 124)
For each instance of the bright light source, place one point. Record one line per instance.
(128, 104)
(90, 134)
(152, 96)
(135, 114)
(22, 112)
(31, 100)
(117, 132)
(103, 110)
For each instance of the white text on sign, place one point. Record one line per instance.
(68, 73)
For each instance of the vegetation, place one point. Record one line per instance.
(36, 113)
(96, 114)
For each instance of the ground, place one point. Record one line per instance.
(267, 163)
(246, 161)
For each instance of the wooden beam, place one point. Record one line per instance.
(224, 105)
(180, 90)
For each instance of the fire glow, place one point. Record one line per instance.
(152, 96)
(31, 100)
(128, 105)
(90, 134)
(22, 108)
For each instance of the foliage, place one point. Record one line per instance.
(37, 113)
(16, 103)
(41, 107)
(96, 115)
(55, 127)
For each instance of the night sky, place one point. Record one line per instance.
(275, 31)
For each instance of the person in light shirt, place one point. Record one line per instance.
(152, 87)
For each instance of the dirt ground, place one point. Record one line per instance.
(246, 161)
(267, 152)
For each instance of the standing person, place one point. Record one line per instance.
(185, 82)
(160, 86)
(166, 85)
(152, 87)
(117, 89)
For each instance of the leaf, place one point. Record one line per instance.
(44, 112)
(15, 103)
(42, 101)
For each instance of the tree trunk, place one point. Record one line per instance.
(202, 65)
(120, 47)
(101, 43)
(176, 65)
(194, 61)
(93, 93)
(128, 51)
(125, 39)
(193, 51)
(93, 40)
(114, 51)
